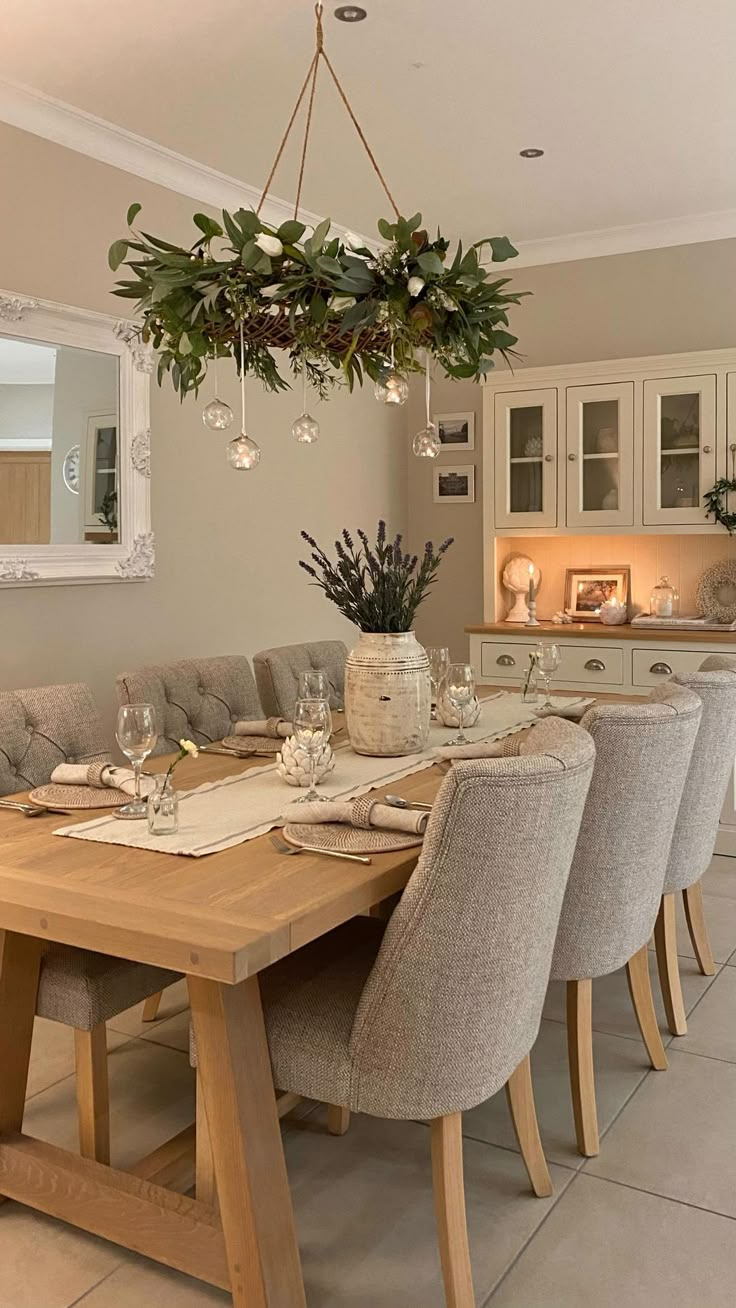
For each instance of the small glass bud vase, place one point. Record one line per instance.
(163, 808)
(664, 601)
(530, 685)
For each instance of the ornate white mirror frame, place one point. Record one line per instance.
(132, 557)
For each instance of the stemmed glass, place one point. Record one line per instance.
(548, 661)
(137, 734)
(312, 723)
(439, 662)
(316, 685)
(460, 687)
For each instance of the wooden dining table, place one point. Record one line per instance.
(219, 920)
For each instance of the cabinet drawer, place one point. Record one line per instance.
(589, 665)
(650, 667)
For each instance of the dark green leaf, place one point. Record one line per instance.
(133, 212)
(116, 254)
(502, 249)
(386, 229)
(429, 262)
(237, 236)
(248, 222)
(317, 309)
(207, 225)
(291, 231)
(330, 267)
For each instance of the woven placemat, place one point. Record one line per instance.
(70, 799)
(247, 744)
(348, 840)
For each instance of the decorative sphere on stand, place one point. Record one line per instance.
(243, 453)
(391, 388)
(305, 429)
(217, 415)
(426, 443)
(516, 577)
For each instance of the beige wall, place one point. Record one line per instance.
(227, 578)
(651, 302)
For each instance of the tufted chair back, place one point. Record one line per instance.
(454, 1000)
(643, 754)
(277, 673)
(45, 726)
(198, 699)
(710, 767)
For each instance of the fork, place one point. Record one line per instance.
(30, 810)
(283, 848)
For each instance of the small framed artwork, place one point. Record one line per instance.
(455, 484)
(587, 588)
(456, 430)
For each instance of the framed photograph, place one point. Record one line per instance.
(456, 430)
(587, 588)
(455, 484)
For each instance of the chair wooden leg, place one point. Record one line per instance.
(580, 1059)
(640, 989)
(151, 1006)
(93, 1096)
(665, 940)
(696, 925)
(520, 1096)
(338, 1119)
(449, 1207)
(206, 1186)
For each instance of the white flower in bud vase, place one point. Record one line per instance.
(415, 285)
(189, 747)
(269, 244)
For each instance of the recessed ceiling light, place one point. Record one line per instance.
(350, 13)
(531, 154)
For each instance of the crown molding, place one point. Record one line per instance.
(75, 129)
(692, 229)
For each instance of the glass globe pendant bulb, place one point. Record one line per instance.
(305, 429)
(392, 388)
(217, 415)
(243, 453)
(426, 443)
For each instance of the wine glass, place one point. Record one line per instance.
(439, 662)
(548, 661)
(312, 721)
(460, 687)
(136, 734)
(316, 685)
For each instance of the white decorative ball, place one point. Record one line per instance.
(612, 615)
(515, 575)
(449, 716)
(293, 763)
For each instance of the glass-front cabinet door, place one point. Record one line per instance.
(525, 432)
(600, 455)
(679, 448)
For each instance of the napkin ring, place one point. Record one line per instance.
(94, 774)
(362, 809)
(272, 727)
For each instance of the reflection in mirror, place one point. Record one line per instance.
(58, 444)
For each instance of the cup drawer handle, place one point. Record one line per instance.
(506, 661)
(595, 665)
(661, 669)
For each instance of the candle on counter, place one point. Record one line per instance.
(530, 596)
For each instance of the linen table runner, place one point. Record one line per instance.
(224, 813)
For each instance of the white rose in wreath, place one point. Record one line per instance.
(269, 244)
(415, 285)
(293, 764)
(448, 715)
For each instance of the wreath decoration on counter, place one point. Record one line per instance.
(715, 596)
(716, 504)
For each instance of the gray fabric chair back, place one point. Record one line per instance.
(454, 1000)
(195, 699)
(277, 673)
(642, 756)
(711, 765)
(45, 726)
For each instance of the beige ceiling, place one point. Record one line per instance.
(634, 101)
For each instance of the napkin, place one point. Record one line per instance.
(100, 774)
(276, 727)
(482, 748)
(363, 812)
(571, 708)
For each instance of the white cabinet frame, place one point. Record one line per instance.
(575, 457)
(654, 513)
(505, 404)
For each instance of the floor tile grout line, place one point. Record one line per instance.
(657, 1194)
(96, 1285)
(520, 1252)
(513, 1149)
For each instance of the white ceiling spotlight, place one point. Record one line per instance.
(350, 14)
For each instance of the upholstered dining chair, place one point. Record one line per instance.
(277, 673)
(696, 828)
(40, 728)
(433, 1012)
(199, 699)
(643, 752)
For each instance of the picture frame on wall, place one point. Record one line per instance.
(454, 484)
(456, 431)
(587, 588)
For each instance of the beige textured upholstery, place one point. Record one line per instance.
(199, 699)
(45, 726)
(643, 753)
(277, 673)
(432, 1014)
(82, 989)
(710, 768)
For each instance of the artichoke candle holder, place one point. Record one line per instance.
(449, 716)
(293, 765)
(612, 613)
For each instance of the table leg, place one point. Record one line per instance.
(20, 959)
(252, 1185)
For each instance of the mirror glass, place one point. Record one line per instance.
(59, 425)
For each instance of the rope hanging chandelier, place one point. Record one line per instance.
(340, 310)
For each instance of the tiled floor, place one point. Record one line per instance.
(649, 1223)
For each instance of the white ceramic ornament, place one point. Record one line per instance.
(449, 716)
(515, 578)
(293, 763)
(612, 614)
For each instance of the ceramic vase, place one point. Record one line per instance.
(387, 694)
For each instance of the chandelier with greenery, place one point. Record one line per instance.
(341, 310)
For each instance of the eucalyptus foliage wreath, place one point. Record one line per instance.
(716, 504)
